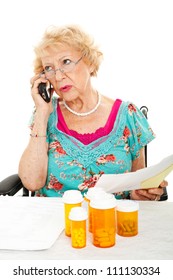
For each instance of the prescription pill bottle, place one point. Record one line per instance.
(127, 218)
(104, 222)
(78, 217)
(91, 194)
(71, 198)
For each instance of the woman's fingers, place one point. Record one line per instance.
(150, 194)
(163, 184)
(36, 80)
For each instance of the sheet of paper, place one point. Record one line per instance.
(144, 178)
(30, 223)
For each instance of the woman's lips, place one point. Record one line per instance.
(65, 88)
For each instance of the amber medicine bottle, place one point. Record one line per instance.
(127, 218)
(92, 193)
(78, 217)
(104, 222)
(71, 198)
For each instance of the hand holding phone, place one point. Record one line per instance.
(44, 90)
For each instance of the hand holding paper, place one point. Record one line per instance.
(149, 177)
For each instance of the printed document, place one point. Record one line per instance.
(149, 177)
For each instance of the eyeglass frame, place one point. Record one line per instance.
(61, 70)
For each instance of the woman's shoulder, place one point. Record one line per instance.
(110, 101)
(129, 106)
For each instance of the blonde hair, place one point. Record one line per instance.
(74, 37)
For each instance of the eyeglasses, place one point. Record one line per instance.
(66, 66)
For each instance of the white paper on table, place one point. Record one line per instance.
(30, 223)
(144, 178)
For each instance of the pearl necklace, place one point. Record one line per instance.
(86, 113)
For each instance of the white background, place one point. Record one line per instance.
(136, 38)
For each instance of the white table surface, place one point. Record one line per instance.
(154, 241)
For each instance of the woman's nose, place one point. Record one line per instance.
(59, 74)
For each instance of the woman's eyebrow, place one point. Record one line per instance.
(67, 55)
(59, 59)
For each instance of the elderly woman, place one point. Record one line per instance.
(80, 134)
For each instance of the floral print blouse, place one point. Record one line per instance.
(73, 165)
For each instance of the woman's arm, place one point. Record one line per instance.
(34, 161)
(139, 163)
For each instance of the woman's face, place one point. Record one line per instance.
(74, 79)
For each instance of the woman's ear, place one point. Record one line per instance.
(91, 69)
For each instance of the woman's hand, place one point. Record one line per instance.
(149, 194)
(38, 100)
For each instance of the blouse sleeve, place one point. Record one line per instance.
(137, 130)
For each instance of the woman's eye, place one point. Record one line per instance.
(48, 68)
(66, 61)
